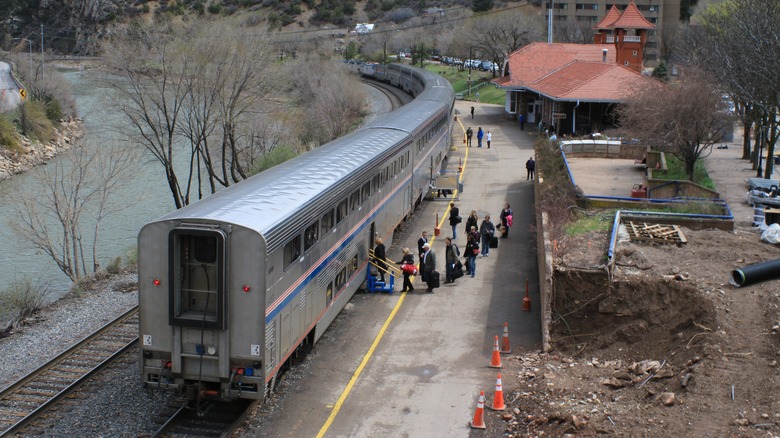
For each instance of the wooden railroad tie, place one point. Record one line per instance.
(655, 233)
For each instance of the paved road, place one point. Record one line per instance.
(422, 377)
(9, 91)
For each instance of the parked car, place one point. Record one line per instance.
(472, 63)
(488, 66)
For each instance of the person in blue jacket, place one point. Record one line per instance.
(480, 134)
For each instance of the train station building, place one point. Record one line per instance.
(573, 88)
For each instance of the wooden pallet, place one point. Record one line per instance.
(645, 232)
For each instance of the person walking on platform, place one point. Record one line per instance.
(469, 134)
(428, 267)
(488, 137)
(472, 222)
(480, 134)
(451, 258)
(407, 259)
(455, 219)
(530, 166)
(379, 258)
(521, 119)
(506, 220)
(472, 112)
(486, 230)
(472, 249)
(420, 243)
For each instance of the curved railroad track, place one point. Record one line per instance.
(396, 97)
(31, 396)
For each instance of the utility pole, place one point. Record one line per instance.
(469, 61)
(43, 64)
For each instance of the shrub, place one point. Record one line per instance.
(115, 267)
(277, 155)
(9, 139)
(33, 121)
(53, 110)
(22, 299)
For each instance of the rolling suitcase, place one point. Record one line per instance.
(435, 279)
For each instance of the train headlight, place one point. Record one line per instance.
(212, 350)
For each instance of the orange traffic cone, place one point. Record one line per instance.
(495, 361)
(498, 398)
(479, 415)
(506, 348)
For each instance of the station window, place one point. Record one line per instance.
(197, 272)
(292, 250)
(341, 211)
(310, 236)
(327, 223)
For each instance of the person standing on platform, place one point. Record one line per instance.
(486, 230)
(472, 112)
(488, 137)
(407, 259)
(379, 258)
(428, 266)
(469, 134)
(455, 219)
(521, 119)
(506, 220)
(451, 258)
(480, 134)
(420, 242)
(472, 222)
(472, 249)
(530, 166)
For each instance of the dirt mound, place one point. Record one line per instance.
(666, 348)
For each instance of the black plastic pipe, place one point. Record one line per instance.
(755, 273)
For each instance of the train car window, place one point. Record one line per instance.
(341, 211)
(354, 200)
(327, 223)
(353, 264)
(341, 278)
(292, 250)
(197, 269)
(329, 294)
(375, 183)
(366, 192)
(310, 236)
(408, 160)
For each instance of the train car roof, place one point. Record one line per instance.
(410, 115)
(265, 199)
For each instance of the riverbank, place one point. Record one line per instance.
(34, 153)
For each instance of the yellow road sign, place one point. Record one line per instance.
(23, 93)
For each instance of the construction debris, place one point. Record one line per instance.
(655, 232)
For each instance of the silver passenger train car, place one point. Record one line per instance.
(232, 286)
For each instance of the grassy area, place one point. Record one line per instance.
(601, 222)
(676, 171)
(488, 93)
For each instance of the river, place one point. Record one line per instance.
(146, 196)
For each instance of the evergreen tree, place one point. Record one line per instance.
(481, 5)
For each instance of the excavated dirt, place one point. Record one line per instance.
(668, 348)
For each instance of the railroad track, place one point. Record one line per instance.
(396, 97)
(31, 396)
(210, 419)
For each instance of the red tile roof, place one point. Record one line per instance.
(590, 81)
(612, 16)
(631, 18)
(536, 60)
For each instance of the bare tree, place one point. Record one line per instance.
(737, 42)
(684, 118)
(188, 93)
(574, 31)
(668, 40)
(75, 194)
(498, 35)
